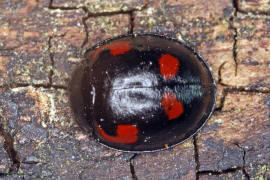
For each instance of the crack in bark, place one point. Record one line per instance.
(222, 100)
(233, 89)
(196, 156)
(3, 174)
(230, 21)
(51, 60)
(254, 13)
(132, 17)
(83, 18)
(236, 6)
(244, 170)
(12, 153)
(32, 162)
(20, 85)
(226, 171)
(235, 37)
(230, 170)
(97, 14)
(219, 72)
(9, 49)
(51, 73)
(85, 30)
(244, 160)
(132, 168)
(224, 93)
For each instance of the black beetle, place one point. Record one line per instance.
(142, 92)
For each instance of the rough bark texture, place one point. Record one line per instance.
(41, 42)
(232, 176)
(254, 6)
(237, 136)
(251, 53)
(178, 163)
(101, 6)
(4, 159)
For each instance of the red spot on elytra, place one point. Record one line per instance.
(172, 107)
(168, 66)
(118, 48)
(124, 134)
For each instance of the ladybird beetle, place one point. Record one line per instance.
(142, 92)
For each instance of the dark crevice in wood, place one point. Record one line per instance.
(12, 153)
(224, 93)
(244, 170)
(254, 13)
(132, 168)
(85, 30)
(109, 13)
(244, 160)
(246, 89)
(196, 156)
(51, 56)
(97, 14)
(31, 162)
(219, 72)
(74, 8)
(222, 100)
(45, 86)
(4, 174)
(51, 60)
(50, 75)
(131, 15)
(233, 89)
(9, 49)
(217, 173)
(245, 173)
(236, 6)
(235, 37)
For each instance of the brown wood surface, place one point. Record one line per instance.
(42, 41)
